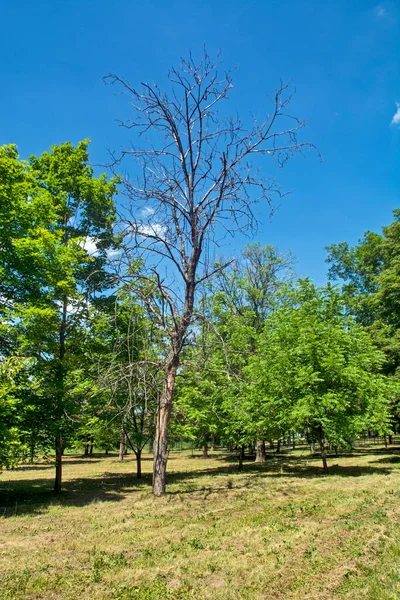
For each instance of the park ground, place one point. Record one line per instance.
(281, 530)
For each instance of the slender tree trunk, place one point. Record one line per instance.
(271, 444)
(91, 446)
(390, 439)
(385, 440)
(321, 442)
(139, 463)
(251, 450)
(58, 478)
(212, 447)
(278, 446)
(204, 449)
(241, 458)
(260, 452)
(122, 444)
(293, 441)
(163, 416)
(230, 447)
(59, 448)
(242, 451)
(86, 439)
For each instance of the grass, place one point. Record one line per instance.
(277, 531)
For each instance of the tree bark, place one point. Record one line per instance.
(212, 447)
(122, 444)
(241, 458)
(163, 417)
(271, 444)
(204, 449)
(86, 440)
(59, 453)
(91, 446)
(278, 446)
(390, 439)
(242, 452)
(60, 399)
(260, 452)
(321, 442)
(139, 463)
(251, 450)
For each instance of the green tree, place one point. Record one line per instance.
(53, 266)
(317, 370)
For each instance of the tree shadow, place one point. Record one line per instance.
(388, 459)
(34, 496)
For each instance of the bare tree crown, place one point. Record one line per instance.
(197, 180)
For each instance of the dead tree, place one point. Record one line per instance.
(199, 176)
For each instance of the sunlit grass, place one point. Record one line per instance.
(275, 531)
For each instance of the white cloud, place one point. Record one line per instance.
(90, 245)
(113, 253)
(147, 211)
(155, 229)
(396, 116)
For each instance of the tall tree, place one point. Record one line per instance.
(195, 184)
(58, 263)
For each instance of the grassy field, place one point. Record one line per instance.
(275, 531)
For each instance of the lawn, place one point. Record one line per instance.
(277, 531)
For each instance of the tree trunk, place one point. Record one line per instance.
(278, 446)
(390, 439)
(60, 400)
(139, 463)
(91, 446)
(271, 444)
(241, 459)
(86, 440)
(322, 448)
(212, 447)
(204, 449)
(251, 450)
(242, 453)
(59, 453)
(163, 416)
(122, 444)
(260, 452)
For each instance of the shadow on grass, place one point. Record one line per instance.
(34, 496)
(388, 459)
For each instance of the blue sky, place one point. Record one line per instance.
(343, 58)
